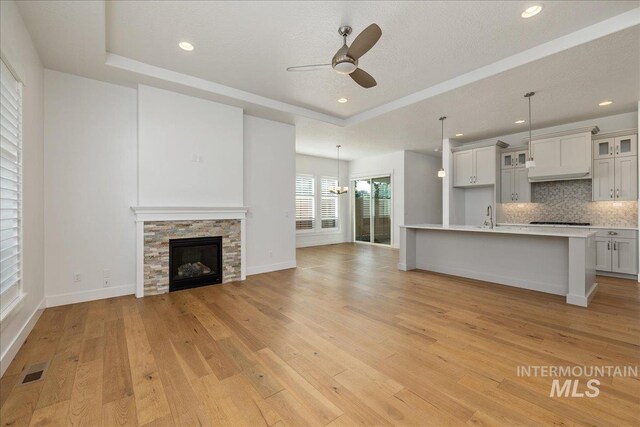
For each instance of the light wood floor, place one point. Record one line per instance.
(344, 339)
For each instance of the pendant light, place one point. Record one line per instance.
(338, 189)
(441, 172)
(530, 162)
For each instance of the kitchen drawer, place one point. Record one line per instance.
(612, 232)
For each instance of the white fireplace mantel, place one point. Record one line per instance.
(177, 213)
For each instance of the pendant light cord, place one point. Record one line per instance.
(338, 178)
(528, 95)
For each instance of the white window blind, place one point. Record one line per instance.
(305, 202)
(328, 203)
(10, 187)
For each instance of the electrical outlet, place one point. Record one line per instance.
(76, 277)
(106, 282)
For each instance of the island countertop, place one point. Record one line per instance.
(537, 231)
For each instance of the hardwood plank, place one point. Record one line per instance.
(85, 406)
(119, 413)
(52, 415)
(116, 365)
(151, 401)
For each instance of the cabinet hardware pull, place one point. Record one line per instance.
(516, 196)
(615, 246)
(618, 193)
(609, 245)
(512, 197)
(470, 180)
(611, 193)
(613, 233)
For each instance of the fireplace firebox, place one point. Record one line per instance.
(194, 262)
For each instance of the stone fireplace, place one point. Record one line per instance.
(162, 231)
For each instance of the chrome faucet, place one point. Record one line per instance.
(489, 221)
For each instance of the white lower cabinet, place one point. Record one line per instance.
(617, 251)
(625, 256)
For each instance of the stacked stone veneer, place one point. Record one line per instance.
(156, 248)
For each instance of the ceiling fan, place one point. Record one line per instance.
(345, 61)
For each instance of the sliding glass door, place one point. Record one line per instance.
(372, 210)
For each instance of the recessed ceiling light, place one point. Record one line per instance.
(605, 103)
(436, 149)
(519, 122)
(342, 100)
(531, 11)
(459, 134)
(186, 46)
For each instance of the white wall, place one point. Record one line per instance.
(422, 189)
(392, 163)
(319, 167)
(90, 185)
(18, 51)
(269, 192)
(190, 150)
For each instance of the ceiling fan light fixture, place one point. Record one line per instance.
(342, 100)
(345, 67)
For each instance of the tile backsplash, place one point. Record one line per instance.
(569, 201)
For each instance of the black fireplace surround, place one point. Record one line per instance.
(194, 262)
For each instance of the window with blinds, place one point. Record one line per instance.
(305, 202)
(10, 187)
(328, 203)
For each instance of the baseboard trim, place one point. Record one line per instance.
(90, 295)
(271, 267)
(21, 337)
(319, 240)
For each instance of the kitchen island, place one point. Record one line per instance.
(551, 260)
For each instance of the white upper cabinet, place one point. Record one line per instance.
(603, 184)
(507, 182)
(522, 186)
(462, 168)
(514, 177)
(514, 159)
(626, 146)
(603, 148)
(474, 167)
(485, 166)
(615, 168)
(562, 157)
(626, 178)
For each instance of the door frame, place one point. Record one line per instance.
(352, 201)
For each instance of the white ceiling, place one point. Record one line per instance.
(247, 45)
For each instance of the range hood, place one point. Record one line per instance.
(540, 174)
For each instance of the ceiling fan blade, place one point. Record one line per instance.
(365, 41)
(309, 67)
(363, 78)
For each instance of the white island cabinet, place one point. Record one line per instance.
(555, 261)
